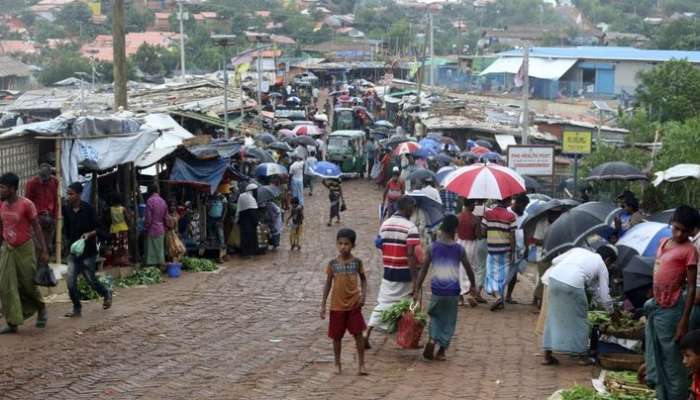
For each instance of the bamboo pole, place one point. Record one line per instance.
(59, 209)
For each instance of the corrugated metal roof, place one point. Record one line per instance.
(11, 67)
(608, 53)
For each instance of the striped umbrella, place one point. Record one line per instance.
(484, 181)
(479, 150)
(406, 148)
(307, 130)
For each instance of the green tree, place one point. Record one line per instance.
(681, 144)
(670, 91)
(642, 130)
(63, 63)
(147, 59)
(75, 18)
(683, 34)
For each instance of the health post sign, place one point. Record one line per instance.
(531, 160)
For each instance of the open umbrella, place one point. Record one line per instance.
(677, 173)
(645, 238)
(285, 132)
(267, 193)
(532, 184)
(540, 210)
(321, 117)
(662, 216)
(384, 124)
(443, 172)
(484, 143)
(305, 141)
(479, 150)
(443, 159)
(421, 174)
(468, 156)
(256, 152)
(307, 130)
(491, 157)
(269, 169)
(431, 207)
(538, 196)
(485, 181)
(447, 140)
(616, 170)
(425, 152)
(396, 139)
(280, 146)
(638, 273)
(326, 169)
(265, 138)
(573, 227)
(406, 148)
(430, 144)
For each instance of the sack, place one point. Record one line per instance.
(44, 276)
(343, 207)
(78, 247)
(410, 331)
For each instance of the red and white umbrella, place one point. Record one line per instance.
(479, 150)
(484, 181)
(406, 148)
(307, 130)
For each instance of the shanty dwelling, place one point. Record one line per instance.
(587, 71)
(14, 75)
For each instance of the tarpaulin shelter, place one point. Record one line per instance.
(208, 172)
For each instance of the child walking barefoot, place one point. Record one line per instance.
(297, 223)
(347, 298)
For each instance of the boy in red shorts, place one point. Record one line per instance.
(347, 298)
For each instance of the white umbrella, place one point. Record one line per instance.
(677, 173)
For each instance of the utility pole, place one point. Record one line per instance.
(432, 49)
(526, 95)
(181, 17)
(119, 55)
(224, 41)
(421, 72)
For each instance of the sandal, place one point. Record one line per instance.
(429, 350)
(497, 306)
(550, 361)
(8, 329)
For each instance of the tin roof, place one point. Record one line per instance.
(11, 67)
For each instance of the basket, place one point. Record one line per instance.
(636, 333)
(621, 361)
(174, 270)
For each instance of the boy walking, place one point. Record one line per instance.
(347, 298)
(297, 219)
(445, 256)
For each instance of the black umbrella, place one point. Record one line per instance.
(265, 138)
(267, 193)
(541, 211)
(663, 216)
(421, 174)
(616, 170)
(256, 152)
(443, 159)
(289, 139)
(484, 143)
(468, 156)
(281, 146)
(305, 140)
(384, 124)
(638, 273)
(396, 139)
(532, 184)
(575, 225)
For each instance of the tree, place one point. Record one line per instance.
(683, 34)
(76, 18)
(681, 144)
(63, 63)
(670, 91)
(148, 60)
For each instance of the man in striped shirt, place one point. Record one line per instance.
(399, 238)
(499, 224)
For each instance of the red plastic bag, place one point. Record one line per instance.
(409, 332)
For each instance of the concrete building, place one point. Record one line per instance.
(596, 72)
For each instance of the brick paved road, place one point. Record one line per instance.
(251, 331)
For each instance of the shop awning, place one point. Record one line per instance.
(504, 141)
(208, 172)
(541, 68)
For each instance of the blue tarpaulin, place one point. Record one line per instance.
(208, 172)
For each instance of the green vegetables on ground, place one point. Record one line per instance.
(393, 314)
(145, 276)
(87, 292)
(578, 392)
(198, 264)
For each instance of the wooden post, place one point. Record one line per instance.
(59, 210)
(119, 55)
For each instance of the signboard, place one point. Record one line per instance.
(531, 160)
(576, 142)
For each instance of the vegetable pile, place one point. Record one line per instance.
(87, 292)
(619, 324)
(578, 392)
(393, 314)
(197, 264)
(145, 276)
(625, 383)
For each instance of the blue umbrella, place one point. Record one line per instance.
(453, 148)
(269, 169)
(325, 169)
(444, 171)
(425, 152)
(431, 144)
(645, 238)
(470, 144)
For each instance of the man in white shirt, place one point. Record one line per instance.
(541, 231)
(296, 173)
(566, 326)
(308, 170)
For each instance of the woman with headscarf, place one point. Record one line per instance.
(247, 219)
